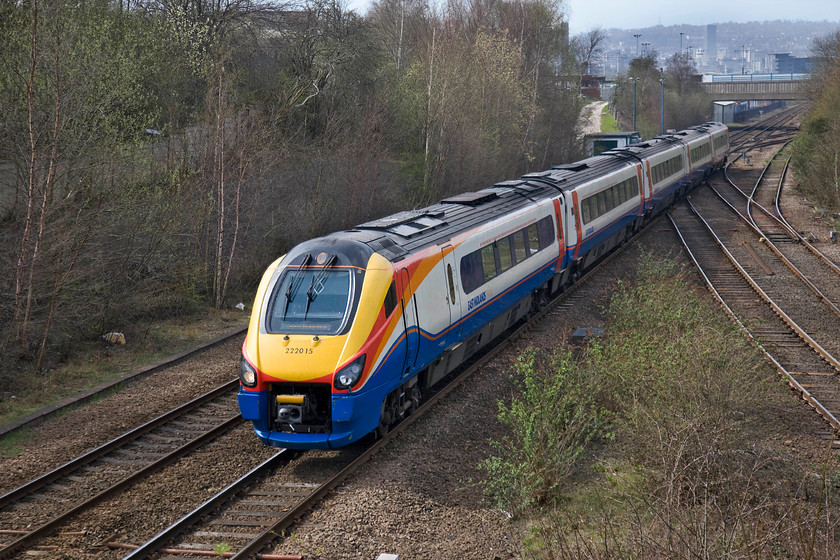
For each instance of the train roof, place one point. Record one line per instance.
(409, 231)
(397, 235)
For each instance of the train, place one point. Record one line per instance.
(348, 331)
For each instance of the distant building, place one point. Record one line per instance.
(711, 43)
(603, 141)
(786, 63)
(725, 111)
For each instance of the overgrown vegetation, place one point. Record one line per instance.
(551, 424)
(157, 155)
(695, 468)
(816, 150)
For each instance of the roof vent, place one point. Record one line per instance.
(471, 198)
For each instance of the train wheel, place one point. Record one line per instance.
(384, 422)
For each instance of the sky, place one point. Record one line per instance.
(627, 14)
(585, 15)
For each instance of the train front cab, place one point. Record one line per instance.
(315, 370)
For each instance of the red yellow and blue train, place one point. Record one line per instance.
(348, 330)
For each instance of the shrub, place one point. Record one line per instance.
(551, 421)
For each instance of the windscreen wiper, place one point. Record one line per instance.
(295, 282)
(311, 294)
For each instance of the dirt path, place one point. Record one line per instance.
(590, 117)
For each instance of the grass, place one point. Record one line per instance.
(98, 362)
(608, 122)
(11, 445)
(690, 464)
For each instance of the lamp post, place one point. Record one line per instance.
(743, 57)
(681, 36)
(662, 81)
(637, 35)
(634, 102)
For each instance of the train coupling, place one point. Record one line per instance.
(290, 408)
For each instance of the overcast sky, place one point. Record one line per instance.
(626, 14)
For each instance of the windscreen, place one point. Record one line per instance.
(310, 301)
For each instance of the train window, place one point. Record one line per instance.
(520, 250)
(390, 299)
(584, 207)
(488, 262)
(505, 257)
(546, 232)
(533, 239)
(602, 203)
(634, 187)
(472, 275)
(310, 301)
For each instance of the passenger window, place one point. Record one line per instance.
(472, 276)
(505, 258)
(519, 246)
(584, 207)
(488, 262)
(546, 232)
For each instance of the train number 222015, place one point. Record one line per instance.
(299, 351)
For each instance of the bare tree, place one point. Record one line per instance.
(679, 72)
(588, 47)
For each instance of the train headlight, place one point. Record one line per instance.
(247, 373)
(350, 374)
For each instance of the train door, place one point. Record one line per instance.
(453, 299)
(412, 331)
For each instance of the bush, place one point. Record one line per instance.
(696, 469)
(551, 422)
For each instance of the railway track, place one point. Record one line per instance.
(766, 133)
(36, 510)
(754, 262)
(248, 514)
(787, 345)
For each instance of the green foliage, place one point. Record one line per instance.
(10, 445)
(689, 475)
(551, 421)
(608, 122)
(686, 103)
(815, 153)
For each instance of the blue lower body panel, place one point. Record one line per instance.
(353, 417)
